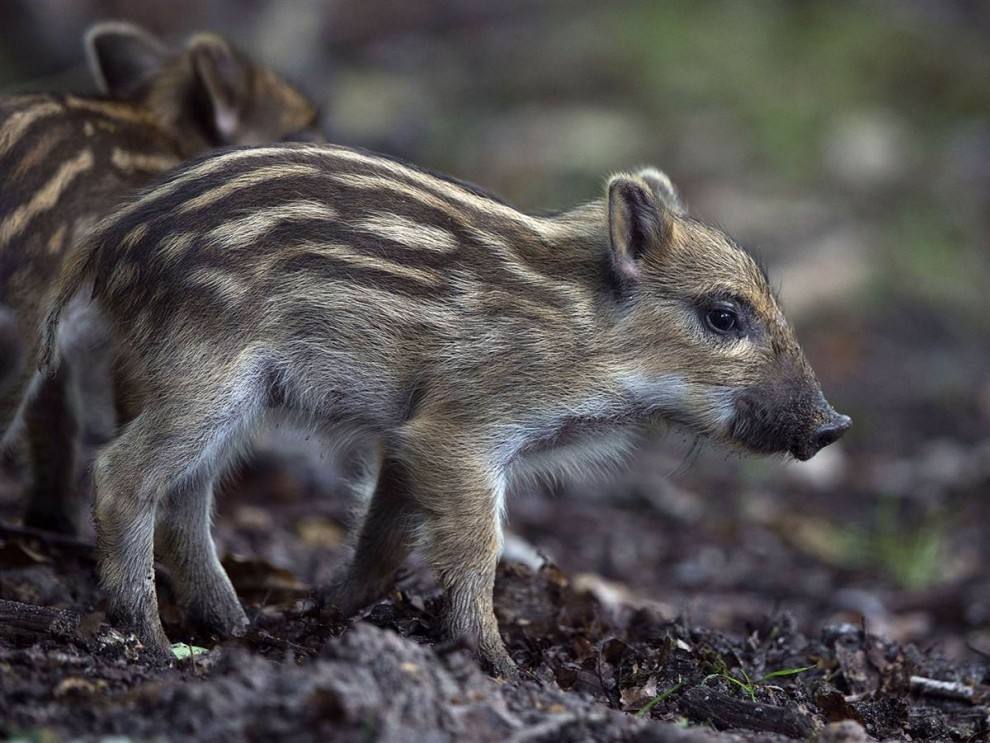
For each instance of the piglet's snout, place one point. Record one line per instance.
(835, 425)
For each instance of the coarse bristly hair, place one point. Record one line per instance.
(475, 343)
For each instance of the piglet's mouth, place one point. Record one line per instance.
(800, 430)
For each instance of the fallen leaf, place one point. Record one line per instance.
(182, 650)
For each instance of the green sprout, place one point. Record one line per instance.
(645, 710)
(747, 684)
(785, 672)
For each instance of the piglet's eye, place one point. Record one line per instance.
(722, 320)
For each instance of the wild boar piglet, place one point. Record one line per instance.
(473, 343)
(66, 161)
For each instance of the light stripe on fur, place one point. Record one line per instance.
(47, 197)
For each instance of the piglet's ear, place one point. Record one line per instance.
(637, 222)
(664, 189)
(225, 80)
(123, 57)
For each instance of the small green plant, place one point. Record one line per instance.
(746, 684)
(645, 710)
(785, 672)
(749, 685)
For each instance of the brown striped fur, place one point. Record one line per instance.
(473, 343)
(66, 160)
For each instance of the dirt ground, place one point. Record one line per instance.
(723, 603)
(593, 669)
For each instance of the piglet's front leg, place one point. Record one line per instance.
(460, 501)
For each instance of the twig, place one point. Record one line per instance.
(263, 636)
(25, 622)
(9, 531)
(725, 712)
(948, 689)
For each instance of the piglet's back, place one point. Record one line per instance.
(224, 238)
(66, 159)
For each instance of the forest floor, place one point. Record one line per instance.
(734, 601)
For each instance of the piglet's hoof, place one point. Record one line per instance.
(338, 601)
(499, 664)
(154, 647)
(224, 620)
(156, 654)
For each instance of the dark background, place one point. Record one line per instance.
(848, 143)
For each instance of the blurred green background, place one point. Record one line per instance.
(848, 143)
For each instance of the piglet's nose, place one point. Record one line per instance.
(832, 430)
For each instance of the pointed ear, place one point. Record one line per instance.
(123, 57)
(637, 221)
(225, 80)
(664, 189)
